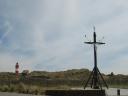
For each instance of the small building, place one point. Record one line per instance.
(25, 73)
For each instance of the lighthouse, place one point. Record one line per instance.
(17, 70)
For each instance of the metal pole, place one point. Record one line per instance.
(95, 74)
(95, 64)
(118, 92)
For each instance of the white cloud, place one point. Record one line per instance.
(49, 35)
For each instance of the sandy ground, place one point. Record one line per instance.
(16, 94)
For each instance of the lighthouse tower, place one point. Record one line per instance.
(17, 70)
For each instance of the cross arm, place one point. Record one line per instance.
(94, 42)
(100, 43)
(89, 42)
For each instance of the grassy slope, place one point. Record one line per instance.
(69, 77)
(39, 81)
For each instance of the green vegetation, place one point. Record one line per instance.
(38, 81)
(29, 89)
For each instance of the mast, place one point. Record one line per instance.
(95, 74)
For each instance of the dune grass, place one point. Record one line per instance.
(30, 89)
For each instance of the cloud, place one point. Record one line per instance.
(49, 35)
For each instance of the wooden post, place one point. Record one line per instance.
(118, 92)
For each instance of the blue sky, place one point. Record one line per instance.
(49, 34)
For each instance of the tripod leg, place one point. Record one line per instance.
(88, 79)
(102, 78)
(99, 83)
(92, 81)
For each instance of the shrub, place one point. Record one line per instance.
(12, 88)
(21, 88)
(5, 88)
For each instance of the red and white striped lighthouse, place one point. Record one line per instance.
(17, 70)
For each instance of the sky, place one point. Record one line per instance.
(49, 35)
